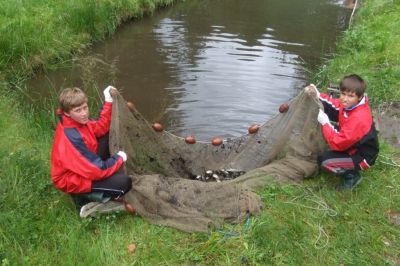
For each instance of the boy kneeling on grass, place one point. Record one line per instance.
(81, 164)
(354, 140)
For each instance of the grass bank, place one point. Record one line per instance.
(302, 225)
(41, 33)
(371, 49)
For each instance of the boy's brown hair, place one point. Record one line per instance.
(70, 98)
(353, 83)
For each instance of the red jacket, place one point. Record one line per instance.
(74, 160)
(355, 133)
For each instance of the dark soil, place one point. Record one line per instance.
(387, 119)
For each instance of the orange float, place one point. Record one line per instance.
(157, 127)
(129, 208)
(217, 141)
(254, 128)
(190, 140)
(131, 106)
(283, 108)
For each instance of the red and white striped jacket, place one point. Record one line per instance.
(355, 132)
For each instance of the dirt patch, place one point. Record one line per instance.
(394, 217)
(387, 119)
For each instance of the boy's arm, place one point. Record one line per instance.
(331, 106)
(79, 159)
(102, 125)
(349, 134)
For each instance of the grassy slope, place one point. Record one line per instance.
(309, 224)
(370, 49)
(40, 33)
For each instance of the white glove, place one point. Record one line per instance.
(107, 94)
(312, 90)
(322, 117)
(123, 155)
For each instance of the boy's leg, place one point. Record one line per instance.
(114, 186)
(79, 200)
(103, 149)
(341, 164)
(84, 198)
(351, 179)
(335, 162)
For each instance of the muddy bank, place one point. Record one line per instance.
(387, 119)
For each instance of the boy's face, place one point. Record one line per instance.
(349, 98)
(80, 113)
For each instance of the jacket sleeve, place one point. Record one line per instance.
(348, 135)
(331, 106)
(102, 125)
(79, 159)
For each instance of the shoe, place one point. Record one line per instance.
(84, 198)
(93, 208)
(350, 180)
(88, 210)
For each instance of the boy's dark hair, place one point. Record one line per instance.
(353, 83)
(70, 98)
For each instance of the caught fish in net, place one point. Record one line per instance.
(172, 176)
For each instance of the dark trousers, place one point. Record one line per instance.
(112, 187)
(336, 162)
(117, 184)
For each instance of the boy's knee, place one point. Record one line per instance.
(127, 183)
(319, 160)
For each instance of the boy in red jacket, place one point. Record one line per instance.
(353, 141)
(80, 161)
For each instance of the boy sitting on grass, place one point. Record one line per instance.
(80, 161)
(354, 140)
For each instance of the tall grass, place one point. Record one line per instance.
(308, 224)
(39, 33)
(370, 49)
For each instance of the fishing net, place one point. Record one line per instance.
(168, 173)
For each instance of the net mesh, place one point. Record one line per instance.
(163, 165)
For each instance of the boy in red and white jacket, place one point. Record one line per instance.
(353, 142)
(80, 161)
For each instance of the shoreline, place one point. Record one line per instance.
(38, 225)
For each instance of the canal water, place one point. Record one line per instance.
(210, 68)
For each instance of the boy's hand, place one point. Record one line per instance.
(107, 94)
(312, 90)
(322, 117)
(123, 155)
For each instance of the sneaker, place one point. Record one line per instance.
(350, 180)
(93, 208)
(87, 210)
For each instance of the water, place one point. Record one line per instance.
(211, 68)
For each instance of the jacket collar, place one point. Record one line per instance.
(67, 121)
(363, 101)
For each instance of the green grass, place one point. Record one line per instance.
(40, 33)
(371, 49)
(310, 224)
(301, 225)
